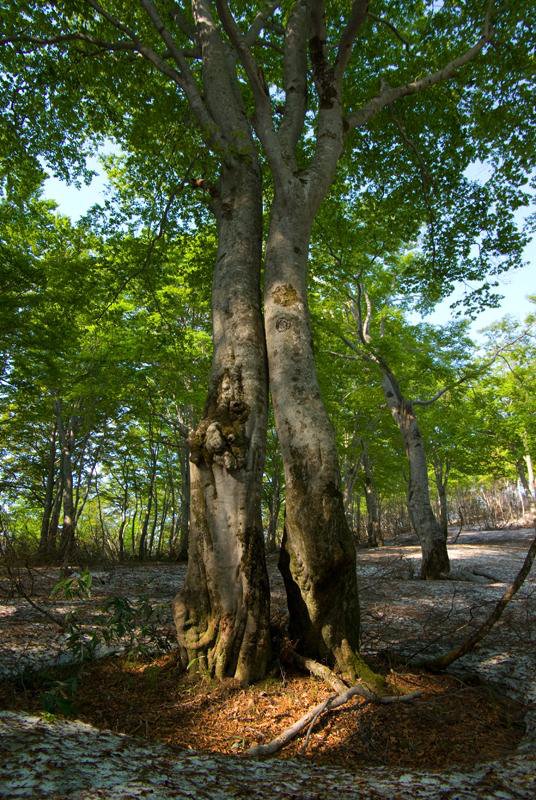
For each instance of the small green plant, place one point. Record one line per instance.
(59, 698)
(137, 623)
(76, 586)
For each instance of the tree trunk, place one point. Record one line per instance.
(48, 505)
(154, 524)
(222, 614)
(371, 499)
(66, 437)
(317, 557)
(435, 559)
(182, 550)
(530, 473)
(274, 508)
(142, 549)
(133, 528)
(441, 473)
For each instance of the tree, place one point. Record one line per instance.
(239, 91)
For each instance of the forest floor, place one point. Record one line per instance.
(483, 711)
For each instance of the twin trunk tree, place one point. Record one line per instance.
(222, 614)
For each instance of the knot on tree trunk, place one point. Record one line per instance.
(220, 437)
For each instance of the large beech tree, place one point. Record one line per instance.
(284, 87)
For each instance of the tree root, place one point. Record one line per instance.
(311, 717)
(317, 669)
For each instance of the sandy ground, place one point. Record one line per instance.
(400, 613)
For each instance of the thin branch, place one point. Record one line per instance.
(390, 95)
(183, 77)
(391, 27)
(68, 37)
(341, 355)
(184, 23)
(19, 588)
(256, 79)
(471, 374)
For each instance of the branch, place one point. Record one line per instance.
(184, 23)
(234, 33)
(259, 23)
(17, 584)
(391, 27)
(389, 94)
(457, 652)
(68, 37)
(472, 374)
(264, 122)
(295, 79)
(183, 77)
(363, 325)
(166, 36)
(358, 16)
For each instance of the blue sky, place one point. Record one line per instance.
(515, 285)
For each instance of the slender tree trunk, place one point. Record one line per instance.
(55, 516)
(441, 474)
(317, 557)
(66, 437)
(371, 500)
(154, 524)
(44, 539)
(435, 559)
(162, 525)
(142, 549)
(121, 533)
(133, 528)
(274, 509)
(530, 473)
(184, 521)
(222, 614)
(528, 482)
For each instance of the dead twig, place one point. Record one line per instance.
(18, 587)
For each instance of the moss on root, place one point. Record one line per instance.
(355, 668)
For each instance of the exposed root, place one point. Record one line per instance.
(354, 668)
(312, 716)
(317, 669)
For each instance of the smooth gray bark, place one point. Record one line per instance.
(374, 535)
(441, 474)
(435, 560)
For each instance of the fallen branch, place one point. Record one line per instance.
(316, 712)
(52, 617)
(18, 588)
(457, 652)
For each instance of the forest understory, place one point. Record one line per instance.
(480, 712)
